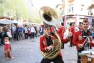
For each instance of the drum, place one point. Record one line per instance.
(87, 57)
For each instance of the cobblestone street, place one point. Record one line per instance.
(27, 51)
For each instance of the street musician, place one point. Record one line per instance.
(46, 42)
(80, 39)
(50, 42)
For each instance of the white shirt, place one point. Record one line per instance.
(13, 28)
(9, 34)
(33, 29)
(26, 30)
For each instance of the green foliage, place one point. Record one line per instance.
(17, 9)
(2, 1)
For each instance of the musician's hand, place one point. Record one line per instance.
(50, 47)
(44, 34)
(70, 34)
(80, 45)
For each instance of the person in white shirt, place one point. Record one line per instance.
(32, 31)
(26, 32)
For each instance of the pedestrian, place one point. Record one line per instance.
(7, 48)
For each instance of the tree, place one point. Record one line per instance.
(14, 8)
(17, 9)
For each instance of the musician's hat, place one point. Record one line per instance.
(85, 21)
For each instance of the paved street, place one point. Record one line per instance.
(27, 51)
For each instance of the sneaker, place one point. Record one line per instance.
(7, 58)
(12, 57)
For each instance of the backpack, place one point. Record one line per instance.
(3, 33)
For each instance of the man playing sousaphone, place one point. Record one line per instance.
(46, 44)
(80, 39)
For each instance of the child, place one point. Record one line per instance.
(7, 48)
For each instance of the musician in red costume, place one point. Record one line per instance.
(46, 44)
(61, 31)
(52, 29)
(79, 38)
(71, 30)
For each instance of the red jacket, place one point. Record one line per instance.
(80, 28)
(78, 39)
(43, 43)
(52, 29)
(7, 46)
(61, 31)
(72, 29)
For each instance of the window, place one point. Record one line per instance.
(70, 9)
(82, 7)
(90, 12)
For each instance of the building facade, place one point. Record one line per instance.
(77, 10)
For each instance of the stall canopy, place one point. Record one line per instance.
(16, 21)
(5, 21)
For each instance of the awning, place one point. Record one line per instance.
(5, 21)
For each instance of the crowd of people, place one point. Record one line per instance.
(17, 32)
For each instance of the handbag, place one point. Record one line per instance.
(29, 32)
